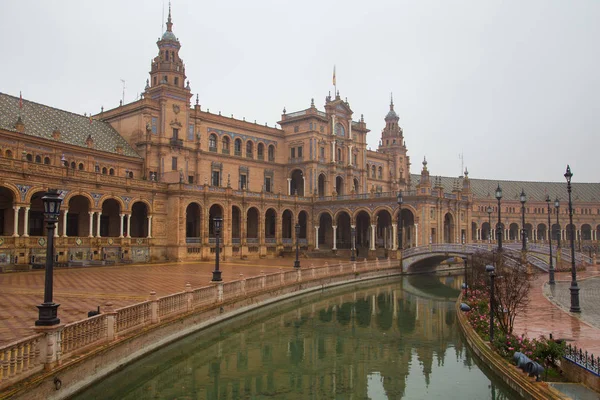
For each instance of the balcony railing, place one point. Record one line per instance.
(176, 142)
(238, 153)
(212, 149)
(225, 151)
(295, 160)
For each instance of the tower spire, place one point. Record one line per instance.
(391, 100)
(169, 22)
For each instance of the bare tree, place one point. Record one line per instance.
(511, 286)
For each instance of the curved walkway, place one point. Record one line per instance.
(548, 313)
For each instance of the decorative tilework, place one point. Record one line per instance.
(126, 200)
(96, 197)
(23, 189)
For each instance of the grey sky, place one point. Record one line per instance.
(512, 84)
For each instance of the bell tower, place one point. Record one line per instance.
(167, 72)
(392, 143)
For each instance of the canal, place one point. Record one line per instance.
(386, 339)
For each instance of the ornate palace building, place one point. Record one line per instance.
(144, 181)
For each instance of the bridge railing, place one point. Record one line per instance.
(25, 357)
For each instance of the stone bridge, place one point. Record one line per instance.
(442, 251)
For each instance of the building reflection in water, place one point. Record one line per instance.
(376, 340)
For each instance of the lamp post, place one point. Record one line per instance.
(489, 211)
(574, 288)
(217, 223)
(523, 199)
(353, 239)
(499, 229)
(400, 202)
(557, 206)
(490, 270)
(466, 284)
(48, 310)
(551, 269)
(297, 262)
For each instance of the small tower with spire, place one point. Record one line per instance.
(167, 69)
(392, 143)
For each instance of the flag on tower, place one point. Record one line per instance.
(334, 76)
(20, 101)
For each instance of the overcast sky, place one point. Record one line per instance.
(513, 85)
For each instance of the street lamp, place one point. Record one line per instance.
(48, 310)
(297, 262)
(465, 284)
(499, 229)
(490, 270)
(557, 206)
(523, 199)
(574, 288)
(353, 238)
(400, 202)
(217, 224)
(551, 269)
(489, 211)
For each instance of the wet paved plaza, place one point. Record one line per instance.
(79, 290)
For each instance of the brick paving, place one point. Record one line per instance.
(549, 310)
(79, 290)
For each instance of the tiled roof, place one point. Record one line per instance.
(535, 191)
(41, 121)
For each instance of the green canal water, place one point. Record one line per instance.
(387, 339)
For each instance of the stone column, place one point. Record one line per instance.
(98, 215)
(121, 225)
(26, 223)
(333, 150)
(394, 236)
(303, 185)
(316, 237)
(91, 234)
(16, 221)
(65, 223)
(416, 235)
(289, 186)
(334, 237)
(149, 226)
(128, 225)
(373, 237)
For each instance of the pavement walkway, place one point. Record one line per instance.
(548, 312)
(79, 290)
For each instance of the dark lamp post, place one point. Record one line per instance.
(490, 270)
(499, 229)
(489, 211)
(48, 310)
(465, 284)
(574, 288)
(217, 224)
(353, 244)
(523, 199)
(400, 202)
(551, 269)
(557, 206)
(297, 262)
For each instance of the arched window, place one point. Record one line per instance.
(373, 171)
(47, 160)
(238, 147)
(130, 174)
(260, 151)
(212, 142)
(271, 153)
(38, 159)
(380, 173)
(225, 145)
(111, 172)
(104, 171)
(249, 149)
(29, 157)
(339, 155)
(81, 166)
(73, 164)
(8, 154)
(339, 130)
